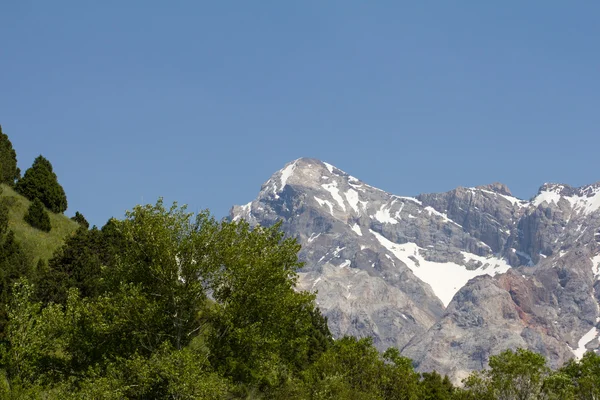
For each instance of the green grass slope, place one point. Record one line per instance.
(36, 243)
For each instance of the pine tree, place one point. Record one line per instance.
(40, 182)
(9, 172)
(80, 219)
(37, 216)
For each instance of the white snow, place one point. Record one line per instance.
(383, 216)
(346, 263)
(513, 200)
(433, 211)
(316, 281)
(446, 278)
(322, 202)
(588, 337)
(356, 229)
(335, 193)
(329, 167)
(585, 204)
(336, 252)
(596, 266)
(549, 196)
(245, 209)
(410, 199)
(397, 213)
(286, 173)
(313, 237)
(352, 197)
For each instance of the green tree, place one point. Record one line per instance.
(585, 375)
(517, 375)
(513, 375)
(41, 182)
(80, 219)
(77, 264)
(262, 328)
(354, 369)
(435, 387)
(14, 264)
(9, 172)
(37, 216)
(558, 386)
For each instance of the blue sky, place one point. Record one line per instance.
(201, 102)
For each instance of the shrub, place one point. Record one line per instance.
(37, 216)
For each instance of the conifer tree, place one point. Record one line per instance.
(40, 182)
(37, 216)
(80, 219)
(9, 172)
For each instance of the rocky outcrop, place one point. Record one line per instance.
(450, 278)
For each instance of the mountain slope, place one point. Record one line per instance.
(449, 278)
(36, 243)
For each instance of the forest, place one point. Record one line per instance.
(167, 304)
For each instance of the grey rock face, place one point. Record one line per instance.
(449, 278)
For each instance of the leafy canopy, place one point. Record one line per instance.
(40, 182)
(9, 172)
(37, 216)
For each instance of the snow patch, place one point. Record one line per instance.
(335, 193)
(383, 216)
(584, 204)
(409, 199)
(345, 264)
(513, 200)
(313, 237)
(286, 173)
(323, 202)
(336, 252)
(356, 229)
(352, 197)
(549, 196)
(329, 167)
(446, 278)
(433, 211)
(245, 210)
(596, 266)
(588, 337)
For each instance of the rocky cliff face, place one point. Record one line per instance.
(449, 278)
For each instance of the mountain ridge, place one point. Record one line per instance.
(418, 273)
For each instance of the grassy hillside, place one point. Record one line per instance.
(36, 243)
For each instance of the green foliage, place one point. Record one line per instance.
(80, 219)
(78, 264)
(164, 304)
(40, 182)
(353, 369)
(518, 375)
(36, 244)
(435, 387)
(9, 172)
(13, 263)
(585, 376)
(37, 216)
(262, 327)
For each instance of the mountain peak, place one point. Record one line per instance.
(496, 187)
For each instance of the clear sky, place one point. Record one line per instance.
(201, 102)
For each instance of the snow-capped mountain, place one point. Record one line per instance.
(449, 278)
